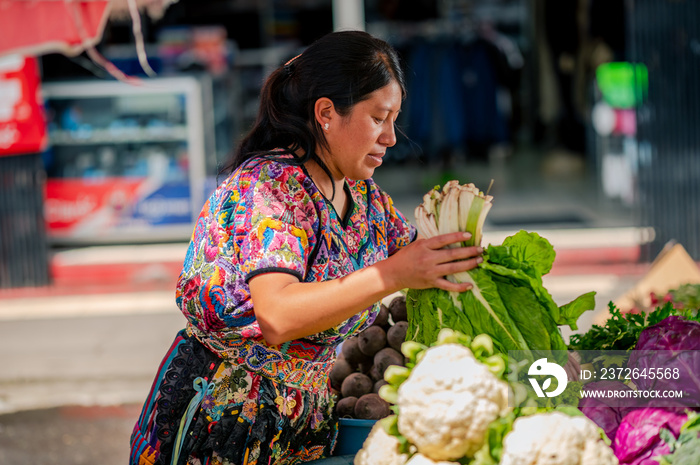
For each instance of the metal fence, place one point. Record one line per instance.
(665, 36)
(24, 256)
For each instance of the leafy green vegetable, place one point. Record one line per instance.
(570, 312)
(622, 330)
(488, 314)
(508, 301)
(472, 313)
(490, 453)
(686, 449)
(531, 249)
(527, 257)
(687, 296)
(534, 324)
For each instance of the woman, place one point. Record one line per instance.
(289, 257)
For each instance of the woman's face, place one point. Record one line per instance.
(359, 140)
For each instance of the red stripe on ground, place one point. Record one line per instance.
(569, 257)
(105, 278)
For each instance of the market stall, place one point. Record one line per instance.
(485, 376)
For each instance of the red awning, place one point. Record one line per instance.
(35, 27)
(22, 126)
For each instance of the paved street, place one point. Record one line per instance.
(75, 384)
(67, 436)
(96, 360)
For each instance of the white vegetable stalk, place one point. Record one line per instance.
(454, 208)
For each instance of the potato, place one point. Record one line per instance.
(371, 407)
(374, 373)
(397, 335)
(377, 385)
(372, 340)
(382, 318)
(387, 357)
(341, 370)
(365, 366)
(397, 309)
(356, 385)
(351, 352)
(345, 408)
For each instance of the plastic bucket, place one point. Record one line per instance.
(335, 460)
(351, 435)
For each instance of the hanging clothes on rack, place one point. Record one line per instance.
(453, 83)
(434, 114)
(485, 124)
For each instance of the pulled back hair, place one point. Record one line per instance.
(345, 67)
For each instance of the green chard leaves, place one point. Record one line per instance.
(508, 301)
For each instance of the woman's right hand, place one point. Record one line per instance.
(425, 263)
(310, 308)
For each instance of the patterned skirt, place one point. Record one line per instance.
(207, 410)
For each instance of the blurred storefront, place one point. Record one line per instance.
(473, 70)
(126, 163)
(23, 247)
(521, 92)
(133, 162)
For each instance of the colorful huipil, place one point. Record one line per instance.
(222, 395)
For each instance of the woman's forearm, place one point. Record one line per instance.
(287, 309)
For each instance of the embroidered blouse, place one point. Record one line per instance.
(268, 215)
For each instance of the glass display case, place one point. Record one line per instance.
(126, 163)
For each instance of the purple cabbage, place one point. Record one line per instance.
(673, 343)
(638, 438)
(607, 412)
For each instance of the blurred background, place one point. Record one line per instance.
(580, 116)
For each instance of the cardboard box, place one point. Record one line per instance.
(671, 268)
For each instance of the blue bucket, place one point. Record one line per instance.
(351, 435)
(335, 460)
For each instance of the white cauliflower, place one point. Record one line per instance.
(555, 439)
(420, 459)
(448, 401)
(380, 448)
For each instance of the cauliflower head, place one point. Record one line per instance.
(380, 448)
(555, 439)
(448, 401)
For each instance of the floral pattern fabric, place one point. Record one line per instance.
(270, 216)
(243, 417)
(266, 216)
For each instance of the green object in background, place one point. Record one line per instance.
(623, 85)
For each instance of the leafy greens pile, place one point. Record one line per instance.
(508, 301)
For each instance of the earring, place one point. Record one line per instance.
(326, 126)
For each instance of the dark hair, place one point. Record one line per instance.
(343, 66)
